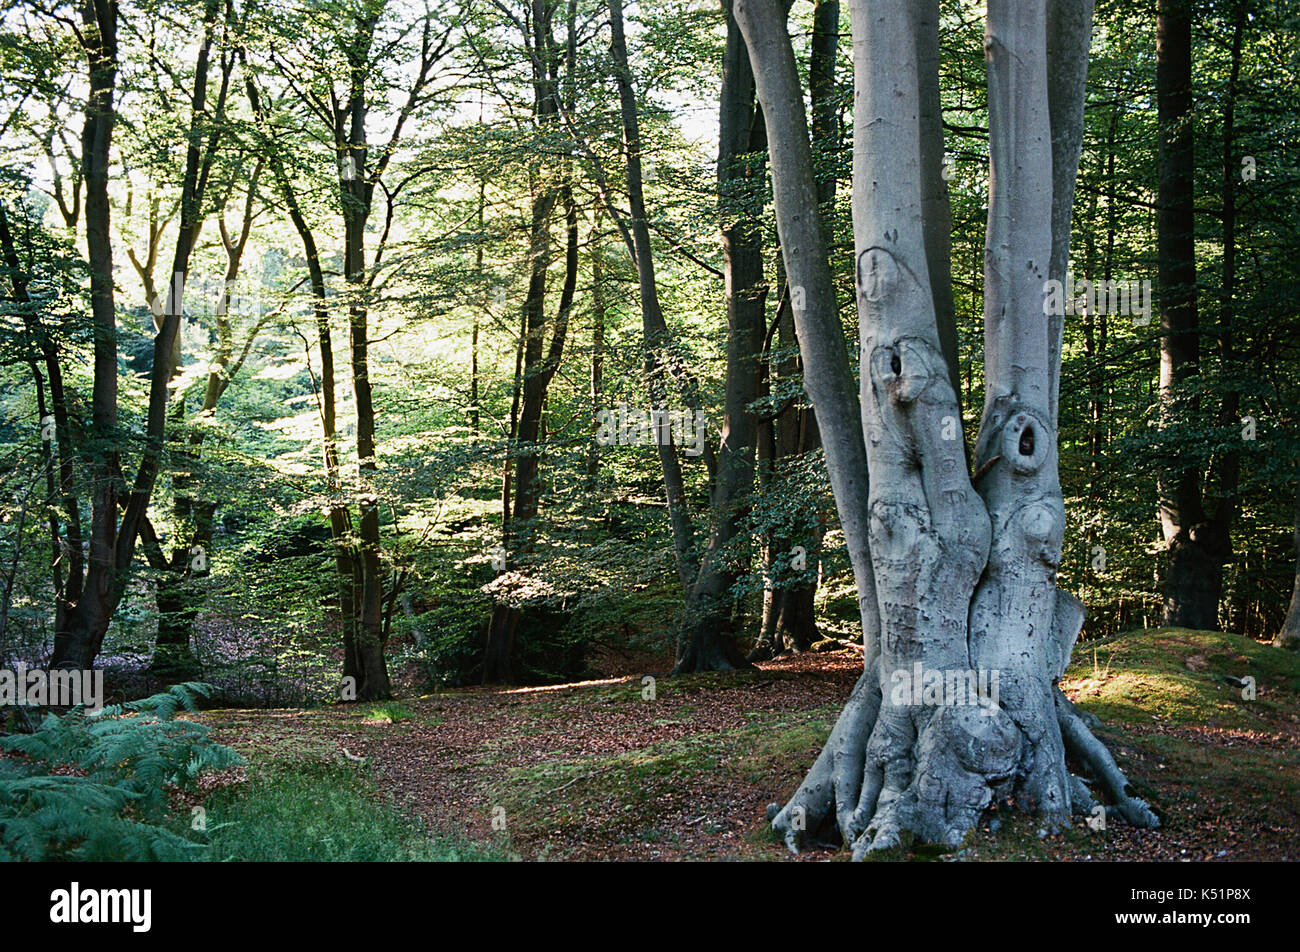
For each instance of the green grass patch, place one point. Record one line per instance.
(390, 712)
(318, 812)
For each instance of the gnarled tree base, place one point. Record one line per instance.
(789, 624)
(890, 774)
(709, 648)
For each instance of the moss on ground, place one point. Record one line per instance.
(1184, 677)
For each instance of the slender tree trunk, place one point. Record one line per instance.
(80, 629)
(828, 380)
(539, 361)
(1195, 551)
(368, 647)
(112, 546)
(599, 317)
(789, 619)
(707, 640)
(1289, 636)
(767, 645)
(1096, 325)
(654, 327)
(1223, 509)
(340, 519)
(31, 318)
(936, 211)
(539, 367)
(789, 616)
(474, 333)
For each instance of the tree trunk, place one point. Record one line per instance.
(789, 616)
(766, 645)
(112, 545)
(340, 517)
(656, 337)
(80, 629)
(963, 591)
(599, 317)
(538, 370)
(936, 210)
(1289, 636)
(483, 306)
(1195, 548)
(1223, 507)
(707, 640)
(539, 361)
(368, 646)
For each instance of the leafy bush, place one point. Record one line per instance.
(95, 786)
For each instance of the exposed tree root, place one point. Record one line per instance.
(887, 777)
(830, 796)
(1081, 742)
(709, 647)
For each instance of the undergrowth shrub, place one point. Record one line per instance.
(95, 786)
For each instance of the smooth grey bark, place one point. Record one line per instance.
(789, 612)
(828, 380)
(828, 791)
(964, 567)
(1016, 449)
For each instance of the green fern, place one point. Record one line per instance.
(124, 761)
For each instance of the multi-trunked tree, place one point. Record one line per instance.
(955, 560)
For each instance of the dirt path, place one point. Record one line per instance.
(554, 763)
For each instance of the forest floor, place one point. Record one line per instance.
(600, 771)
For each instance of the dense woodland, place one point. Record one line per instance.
(361, 349)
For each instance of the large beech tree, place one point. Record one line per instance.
(955, 566)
